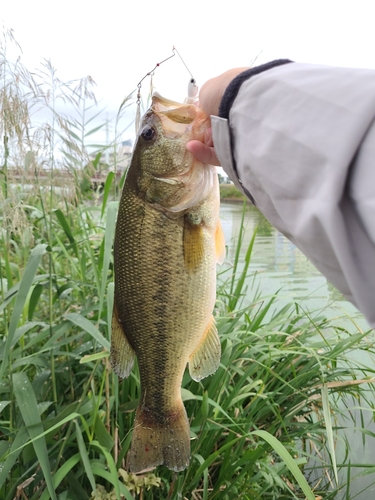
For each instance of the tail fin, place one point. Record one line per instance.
(159, 441)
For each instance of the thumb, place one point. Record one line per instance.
(202, 152)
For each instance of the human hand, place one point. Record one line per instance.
(211, 93)
(210, 97)
(204, 151)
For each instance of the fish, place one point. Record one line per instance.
(168, 240)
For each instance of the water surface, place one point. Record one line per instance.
(278, 266)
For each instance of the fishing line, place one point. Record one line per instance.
(192, 88)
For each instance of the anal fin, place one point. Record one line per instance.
(122, 353)
(205, 360)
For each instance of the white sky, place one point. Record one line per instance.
(118, 42)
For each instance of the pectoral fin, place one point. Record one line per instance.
(219, 243)
(193, 245)
(122, 353)
(205, 359)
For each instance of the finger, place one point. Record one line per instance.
(208, 137)
(202, 152)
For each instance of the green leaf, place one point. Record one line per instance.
(329, 430)
(110, 300)
(28, 407)
(108, 244)
(61, 473)
(205, 476)
(64, 224)
(84, 455)
(236, 293)
(12, 292)
(89, 358)
(112, 467)
(66, 227)
(106, 191)
(23, 291)
(210, 460)
(109, 477)
(88, 327)
(58, 425)
(92, 131)
(288, 460)
(15, 450)
(34, 299)
(104, 437)
(3, 404)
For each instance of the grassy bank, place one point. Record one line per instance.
(229, 192)
(66, 419)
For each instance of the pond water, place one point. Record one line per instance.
(277, 266)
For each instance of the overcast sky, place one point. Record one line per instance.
(118, 42)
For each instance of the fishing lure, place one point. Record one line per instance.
(192, 90)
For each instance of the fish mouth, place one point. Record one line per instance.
(184, 112)
(176, 118)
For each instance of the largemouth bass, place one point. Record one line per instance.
(167, 243)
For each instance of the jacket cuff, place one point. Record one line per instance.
(233, 88)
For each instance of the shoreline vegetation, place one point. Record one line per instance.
(230, 193)
(263, 427)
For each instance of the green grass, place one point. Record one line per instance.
(229, 192)
(264, 426)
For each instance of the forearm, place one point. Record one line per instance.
(297, 139)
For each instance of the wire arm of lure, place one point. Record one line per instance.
(193, 88)
(153, 69)
(138, 101)
(139, 85)
(183, 62)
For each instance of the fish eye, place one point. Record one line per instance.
(148, 133)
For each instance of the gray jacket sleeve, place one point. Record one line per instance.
(299, 140)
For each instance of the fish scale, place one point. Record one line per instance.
(165, 280)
